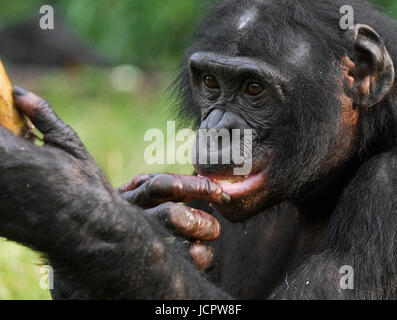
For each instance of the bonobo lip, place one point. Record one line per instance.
(237, 186)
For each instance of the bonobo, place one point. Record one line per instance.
(321, 104)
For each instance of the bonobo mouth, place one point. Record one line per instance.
(238, 186)
(249, 194)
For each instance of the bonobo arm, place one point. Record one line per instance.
(55, 199)
(362, 234)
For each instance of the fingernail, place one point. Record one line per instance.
(226, 198)
(18, 91)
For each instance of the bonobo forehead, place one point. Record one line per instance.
(248, 30)
(300, 52)
(247, 18)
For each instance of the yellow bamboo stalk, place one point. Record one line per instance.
(10, 117)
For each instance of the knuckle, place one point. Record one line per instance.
(163, 212)
(127, 196)
(154, 187)
(160, 185)
(42, 103)
(42, 106)
(70, 133)
(60, 132)
(138, 180)
(173, 208)
(166, 207)
(212, 188)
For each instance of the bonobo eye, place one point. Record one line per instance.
(253, 88)
(210, 81)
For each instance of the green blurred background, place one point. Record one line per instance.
(110, 107)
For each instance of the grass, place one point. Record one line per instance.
(112, 125)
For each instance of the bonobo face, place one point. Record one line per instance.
(245, 93)
(248, 74)
(237, 93)
(302, 101)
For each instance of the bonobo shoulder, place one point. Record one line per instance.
(381, 169)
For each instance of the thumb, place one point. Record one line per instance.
(55, 131)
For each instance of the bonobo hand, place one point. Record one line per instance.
(158, 193)
(57, 178)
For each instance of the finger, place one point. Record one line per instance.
(38, 110)
(56, 132)
(139, 197)
(177, 188)
(186, 221)
(202, 256)
(136, 182)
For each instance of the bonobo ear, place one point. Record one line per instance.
(372, 70)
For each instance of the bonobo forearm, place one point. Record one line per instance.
(126, 257)
(115, 252)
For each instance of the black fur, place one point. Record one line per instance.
(351, 210)
(319, 217)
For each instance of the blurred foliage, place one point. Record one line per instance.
(19, 273)
(390, 6)
(147, 33)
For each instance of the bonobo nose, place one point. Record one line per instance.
(218, 148)
(220, 119)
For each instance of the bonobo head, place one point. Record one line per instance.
(316, 97)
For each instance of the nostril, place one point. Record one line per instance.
(231, 120)
(212, 119)
(217, 130)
